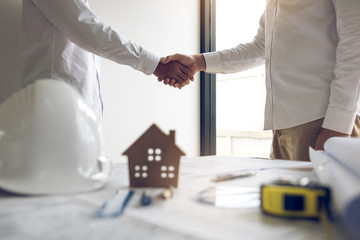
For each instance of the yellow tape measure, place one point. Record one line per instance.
(284, 199)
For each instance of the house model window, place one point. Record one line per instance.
(167, 171)
(154, 154)
(154, 159)
(140, 171)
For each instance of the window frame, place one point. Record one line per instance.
(207, 81)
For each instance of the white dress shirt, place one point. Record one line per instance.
(311, 50)
(61, 39)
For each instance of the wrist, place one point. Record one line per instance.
(333, 133)
(200, 62)
(158, 70)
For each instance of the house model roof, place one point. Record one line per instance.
(156, 136)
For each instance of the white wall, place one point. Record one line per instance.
(133, 101)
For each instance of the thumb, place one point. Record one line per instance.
(169, 59)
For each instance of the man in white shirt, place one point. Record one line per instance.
(311, 51)
(62, 39)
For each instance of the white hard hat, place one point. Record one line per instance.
(50, 142)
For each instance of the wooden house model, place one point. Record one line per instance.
(154, 159)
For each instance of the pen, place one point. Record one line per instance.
(234, 175)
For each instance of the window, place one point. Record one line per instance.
(154, 154)
(167, 171)
(240, 97)
(141, 171)
(232, 105)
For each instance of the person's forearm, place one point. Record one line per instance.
(81, 26)
(345, 87)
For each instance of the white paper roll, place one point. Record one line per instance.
(346, 151)
(345, 187)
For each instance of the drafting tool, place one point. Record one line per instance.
(231, 197)
(234, 175)
(250, 172)
(285, 199)
(114, 206)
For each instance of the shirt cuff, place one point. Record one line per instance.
(213, 62)
(339, 120)
(148, 62)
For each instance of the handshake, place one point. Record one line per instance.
(177, 70)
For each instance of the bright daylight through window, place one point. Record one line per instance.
(240, 97)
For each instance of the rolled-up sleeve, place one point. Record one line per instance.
(239, 58)
(76, 21)
(345, 87)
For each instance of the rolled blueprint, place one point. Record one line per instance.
(346, 151)
(337, 167)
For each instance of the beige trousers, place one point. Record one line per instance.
(293, 143)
